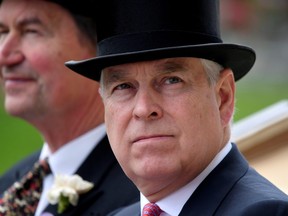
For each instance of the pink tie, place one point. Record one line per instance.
(151, 209)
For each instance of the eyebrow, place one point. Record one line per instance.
(24, 22)
(113, 75)
(167, 67)
(30, 21)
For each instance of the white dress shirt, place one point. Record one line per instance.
(68, 159)
(168, 204)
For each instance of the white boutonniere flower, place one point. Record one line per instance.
(66, 190)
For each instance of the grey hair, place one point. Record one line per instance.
(212, 70)
(101, 82)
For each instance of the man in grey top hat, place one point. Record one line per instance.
(36, 38)
(168, 85)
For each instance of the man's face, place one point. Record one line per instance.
(36, 38)
(165, 121)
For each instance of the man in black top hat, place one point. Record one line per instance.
(168, 85)
(36, 38)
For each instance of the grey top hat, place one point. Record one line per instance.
(130, 31)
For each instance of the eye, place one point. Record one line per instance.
(122, 90)
(122, 86)
(172, 80)
(3, 32)
(31, 31)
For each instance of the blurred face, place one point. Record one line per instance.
(36, 38)
(164, 120)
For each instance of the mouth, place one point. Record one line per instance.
(17, 79)
(16, 82)
(150, 138)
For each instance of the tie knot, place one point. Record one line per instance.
(151, 209)
(41, 169)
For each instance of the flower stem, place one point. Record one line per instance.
(63, 204)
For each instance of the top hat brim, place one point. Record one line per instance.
(237, 57)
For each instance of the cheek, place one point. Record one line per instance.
(45, 61)
(110, 112)
(50, 67)
(198, 116)
(115, 121)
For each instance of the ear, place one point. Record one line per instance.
(225, 90)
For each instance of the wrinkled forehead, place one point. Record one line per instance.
(29, 8)
(150, 68)
(22, 13)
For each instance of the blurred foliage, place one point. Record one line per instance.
(17, 139)
(254, 97)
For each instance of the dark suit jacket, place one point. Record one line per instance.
(231, 189)
(112, 189)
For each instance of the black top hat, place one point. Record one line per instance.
(84, 8)
(139, 30)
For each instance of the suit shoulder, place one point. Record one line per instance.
(267, 208)
(254, 195)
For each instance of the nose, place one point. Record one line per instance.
(10, 53)
(147, 105)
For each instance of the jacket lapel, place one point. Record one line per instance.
(94, 170)
(222, 178)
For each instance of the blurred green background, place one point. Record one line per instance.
(260, 24)
(17, 139)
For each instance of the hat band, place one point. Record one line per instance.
(145, 41)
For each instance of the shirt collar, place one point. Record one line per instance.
(168, 204)
(77, 150)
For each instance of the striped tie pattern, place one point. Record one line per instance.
(22, 197)
(151, 209)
